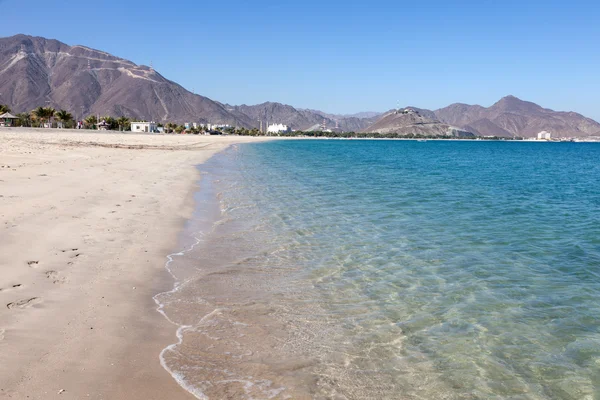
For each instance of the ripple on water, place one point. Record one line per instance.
(379, 269)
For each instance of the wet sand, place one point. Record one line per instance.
(87, 219)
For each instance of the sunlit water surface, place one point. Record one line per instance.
(391, 269)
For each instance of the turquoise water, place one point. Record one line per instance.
(398, 269)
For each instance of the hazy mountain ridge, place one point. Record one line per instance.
(300, 119)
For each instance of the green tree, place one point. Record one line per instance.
(170, 127)
(4, 109)
(24, 119)
(65, 117)
(49, 114)
(180, 129)
(90, 122)
(124, 123)
(43, 114)
(39, 115)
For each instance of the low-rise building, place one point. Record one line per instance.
(7, 119)
(149, 127)
(103, 126)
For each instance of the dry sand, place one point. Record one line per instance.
(86, 220)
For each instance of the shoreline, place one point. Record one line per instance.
(87, 220)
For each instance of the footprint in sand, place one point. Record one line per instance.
(55, 277)
(25, 303)
(33, 264)
(73, 252)
(2, 331)
(16, 286)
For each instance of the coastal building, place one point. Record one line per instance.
(543, 135)
(143, 127)
(103, 126)
(278, 128)
(190, 125)
(7, 119)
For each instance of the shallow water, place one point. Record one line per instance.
(391, 269)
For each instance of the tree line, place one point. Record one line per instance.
(48, 116)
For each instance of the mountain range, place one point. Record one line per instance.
(35, 71)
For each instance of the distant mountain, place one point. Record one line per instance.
(280, 113)
(35, 72)
(359, 115)
(511, 116)
(302, 119)
(414, 122)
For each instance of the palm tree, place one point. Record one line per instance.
(64, 117)
(91, 121)
(24, 119)
(39, 114)
(123, 123)
(4, 109)
(43, 114)
(49, 114)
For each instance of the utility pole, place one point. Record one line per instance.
(48, 106)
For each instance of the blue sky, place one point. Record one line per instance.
(344, 57)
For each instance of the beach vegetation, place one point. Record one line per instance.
(65, 117)
(124, 123)
(90, 122)
(4, 109)
(24, 119)
(43, 115)
(111, 122)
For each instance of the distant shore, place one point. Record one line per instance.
(87, 220)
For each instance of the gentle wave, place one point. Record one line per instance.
(438, 270)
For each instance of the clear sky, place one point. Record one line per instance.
(343, 57)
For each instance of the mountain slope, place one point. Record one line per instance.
(301, 119)
(35, 71)
(511, 116)
(413, 123)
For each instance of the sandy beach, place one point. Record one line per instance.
(87, 219)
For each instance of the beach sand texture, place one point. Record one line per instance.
(86, 220)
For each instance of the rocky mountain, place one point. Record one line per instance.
(36, 72)
(416, 122)
(302, 119)
(511, 116)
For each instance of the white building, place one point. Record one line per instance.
(278, 128)
(543, 135)
(143, 127)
